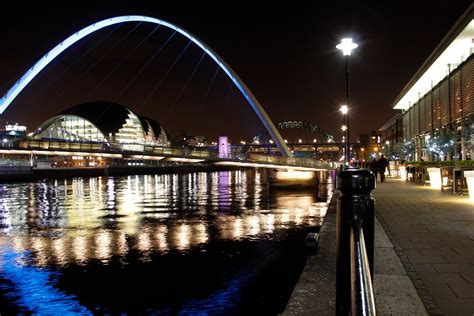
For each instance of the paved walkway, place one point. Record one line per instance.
(315, 292)
(433, 235)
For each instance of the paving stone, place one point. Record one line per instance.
(441, 291)
(433, 233)
(424, 267)
(441, 278)
(468, 276)
(453, 267)
(457, 306)
(463, 290)
(396, 295)
(387, 262)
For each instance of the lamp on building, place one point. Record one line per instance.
(346, 46)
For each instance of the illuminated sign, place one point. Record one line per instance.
(15, 128)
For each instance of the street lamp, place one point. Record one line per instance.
(346, 46)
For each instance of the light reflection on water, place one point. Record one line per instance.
(55, 223)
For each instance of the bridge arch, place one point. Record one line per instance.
(17, 87)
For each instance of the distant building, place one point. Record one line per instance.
(440, 96)
(103, 122)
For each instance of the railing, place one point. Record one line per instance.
(355, 243)
(187, 152)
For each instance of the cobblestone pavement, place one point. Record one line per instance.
(433, 235)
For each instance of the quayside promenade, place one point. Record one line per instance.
(433, 235)
(424, 255)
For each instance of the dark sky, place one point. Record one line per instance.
(285, 53)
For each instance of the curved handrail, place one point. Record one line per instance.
(11, 94)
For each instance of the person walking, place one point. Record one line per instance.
(382, 164)
(373, 166)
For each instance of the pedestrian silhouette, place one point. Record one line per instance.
(382, 164)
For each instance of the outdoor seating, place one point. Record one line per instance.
(446, 177)
(459, 180)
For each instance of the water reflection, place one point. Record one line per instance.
(103, 219)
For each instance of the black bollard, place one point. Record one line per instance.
(355, 210)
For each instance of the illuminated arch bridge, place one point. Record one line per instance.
(17, 87)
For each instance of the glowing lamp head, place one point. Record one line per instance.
(346, 46)
(344, 109)
(300, 141)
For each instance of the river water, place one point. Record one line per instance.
(208, 243)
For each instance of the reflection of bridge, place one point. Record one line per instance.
(135, 228)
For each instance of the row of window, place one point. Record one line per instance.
(447, 103)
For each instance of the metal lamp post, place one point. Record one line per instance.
(346, 46)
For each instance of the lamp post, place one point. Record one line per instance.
(346, 46)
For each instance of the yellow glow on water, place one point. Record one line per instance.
(183, 237)
(200, 235)
(253, 225)
(269, 223)
(38, 246)
(144, 240)
(80, 246)
(160, 236)
(237, 231)
(104, 218)
(103, 245)
(59, 250)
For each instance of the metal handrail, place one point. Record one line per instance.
(355, 243)
(362, 292)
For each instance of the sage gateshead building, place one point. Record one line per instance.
(438, 102)
(108, 124)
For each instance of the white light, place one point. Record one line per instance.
(286, 141)
(457, 52)
(435, 177)
(344, 127)
(469, 174)
(315, 140)
(271, 141)
(344, 109)
(346, 46)
(300, 141)
(5, 140)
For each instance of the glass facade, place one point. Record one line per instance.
(131, 136)
(444, 106)
(70, 127)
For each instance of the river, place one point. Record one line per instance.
(209, 243)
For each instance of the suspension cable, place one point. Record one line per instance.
(105, 54)
(122, 61)
(228, 94)
(86, 52)
(187, 82)
(147, 64)
(210, 86)
(166, 74)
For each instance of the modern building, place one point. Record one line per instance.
(439, 100)
(108, 123)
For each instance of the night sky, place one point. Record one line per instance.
(284, 52)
